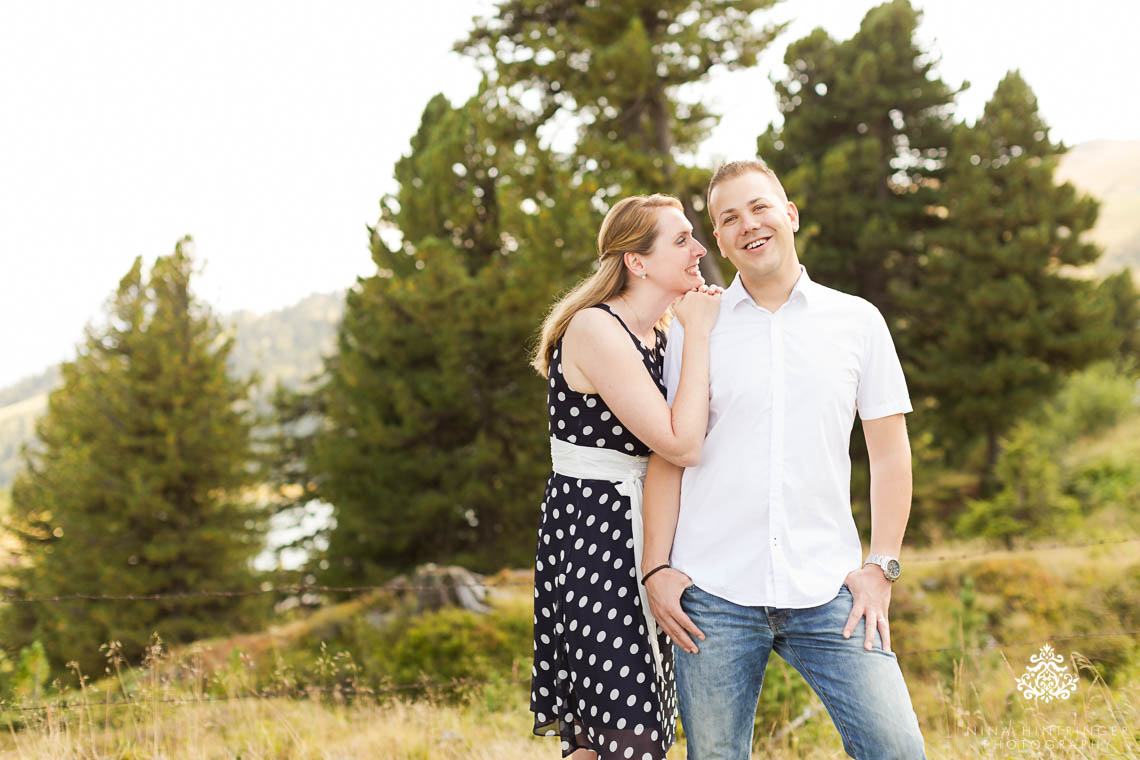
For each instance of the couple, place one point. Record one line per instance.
(745, 543)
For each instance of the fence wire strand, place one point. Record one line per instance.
(426, 684)
(396, 587)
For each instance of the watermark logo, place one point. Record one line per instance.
(1046, 677)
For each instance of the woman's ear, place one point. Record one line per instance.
(634, 264)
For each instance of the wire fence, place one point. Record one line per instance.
(303, 588)
(1026, 550)
(346, 692)
(397, 586)
(340, 692)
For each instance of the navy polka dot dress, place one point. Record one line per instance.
(594, 683)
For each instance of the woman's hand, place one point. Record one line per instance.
(698, 309)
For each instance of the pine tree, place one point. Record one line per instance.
(615, 70)
(1031, 502)
(1120, 291)
(1001, 316)
(136, 483)
(433, 445)
(866, 126)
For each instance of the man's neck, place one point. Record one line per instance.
(772, 292)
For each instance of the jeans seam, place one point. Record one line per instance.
(810, 676)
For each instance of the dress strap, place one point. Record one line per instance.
(636, 340)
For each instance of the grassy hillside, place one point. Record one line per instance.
(17, 427)
(1110, 171)
(348, 677)
(964, 632)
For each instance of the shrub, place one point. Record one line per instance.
(1090, 401)
(1030, 501)
(458, 645)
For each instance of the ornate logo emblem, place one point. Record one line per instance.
(1045, 678)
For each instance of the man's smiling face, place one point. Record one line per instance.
(755, 225)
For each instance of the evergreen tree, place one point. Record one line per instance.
(1119, 290)
(614, 70)
(433, 445)
(866, 126)
(1000, 317)
(136, 483)
(1030, 502)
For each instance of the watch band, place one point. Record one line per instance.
(890, 566)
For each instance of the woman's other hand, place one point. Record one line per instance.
(698, 309)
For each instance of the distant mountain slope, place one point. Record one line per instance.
(283, 346)
(34, 385)
(1110, 171)
(17, 426)
(286, 345)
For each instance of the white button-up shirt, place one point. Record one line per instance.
(765, 517)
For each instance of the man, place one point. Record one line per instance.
(759, 546)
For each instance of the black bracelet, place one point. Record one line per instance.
(645, 577)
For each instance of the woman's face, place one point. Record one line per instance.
(673, 261)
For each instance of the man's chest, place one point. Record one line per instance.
(766, 360)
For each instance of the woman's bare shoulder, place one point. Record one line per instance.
(592, 325)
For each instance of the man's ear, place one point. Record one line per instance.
(716, 236)
(794, 215)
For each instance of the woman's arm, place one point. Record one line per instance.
(660, 509)
(603, 353)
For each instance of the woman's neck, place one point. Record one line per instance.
(640, 306)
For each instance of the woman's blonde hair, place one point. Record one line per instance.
(630, 226)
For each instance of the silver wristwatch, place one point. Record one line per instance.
(889, 565)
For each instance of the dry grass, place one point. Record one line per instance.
(1096, 722)
(975, 714)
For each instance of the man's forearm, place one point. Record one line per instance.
(660, 508)
(888, 449)
(891, 487)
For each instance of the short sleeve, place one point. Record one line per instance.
(673, 351)
(882, 387)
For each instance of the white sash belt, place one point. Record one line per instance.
(628, 473)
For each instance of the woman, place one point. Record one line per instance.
(602, 678)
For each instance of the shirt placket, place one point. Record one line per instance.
(777, 517)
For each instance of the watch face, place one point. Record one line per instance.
(894, 569)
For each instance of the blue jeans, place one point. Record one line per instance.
(718, 687)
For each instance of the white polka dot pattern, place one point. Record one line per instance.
(592, 683)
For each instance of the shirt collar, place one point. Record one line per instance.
(735, 294)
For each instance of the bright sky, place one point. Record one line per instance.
(268, 129)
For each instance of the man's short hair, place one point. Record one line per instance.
(734, 169)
